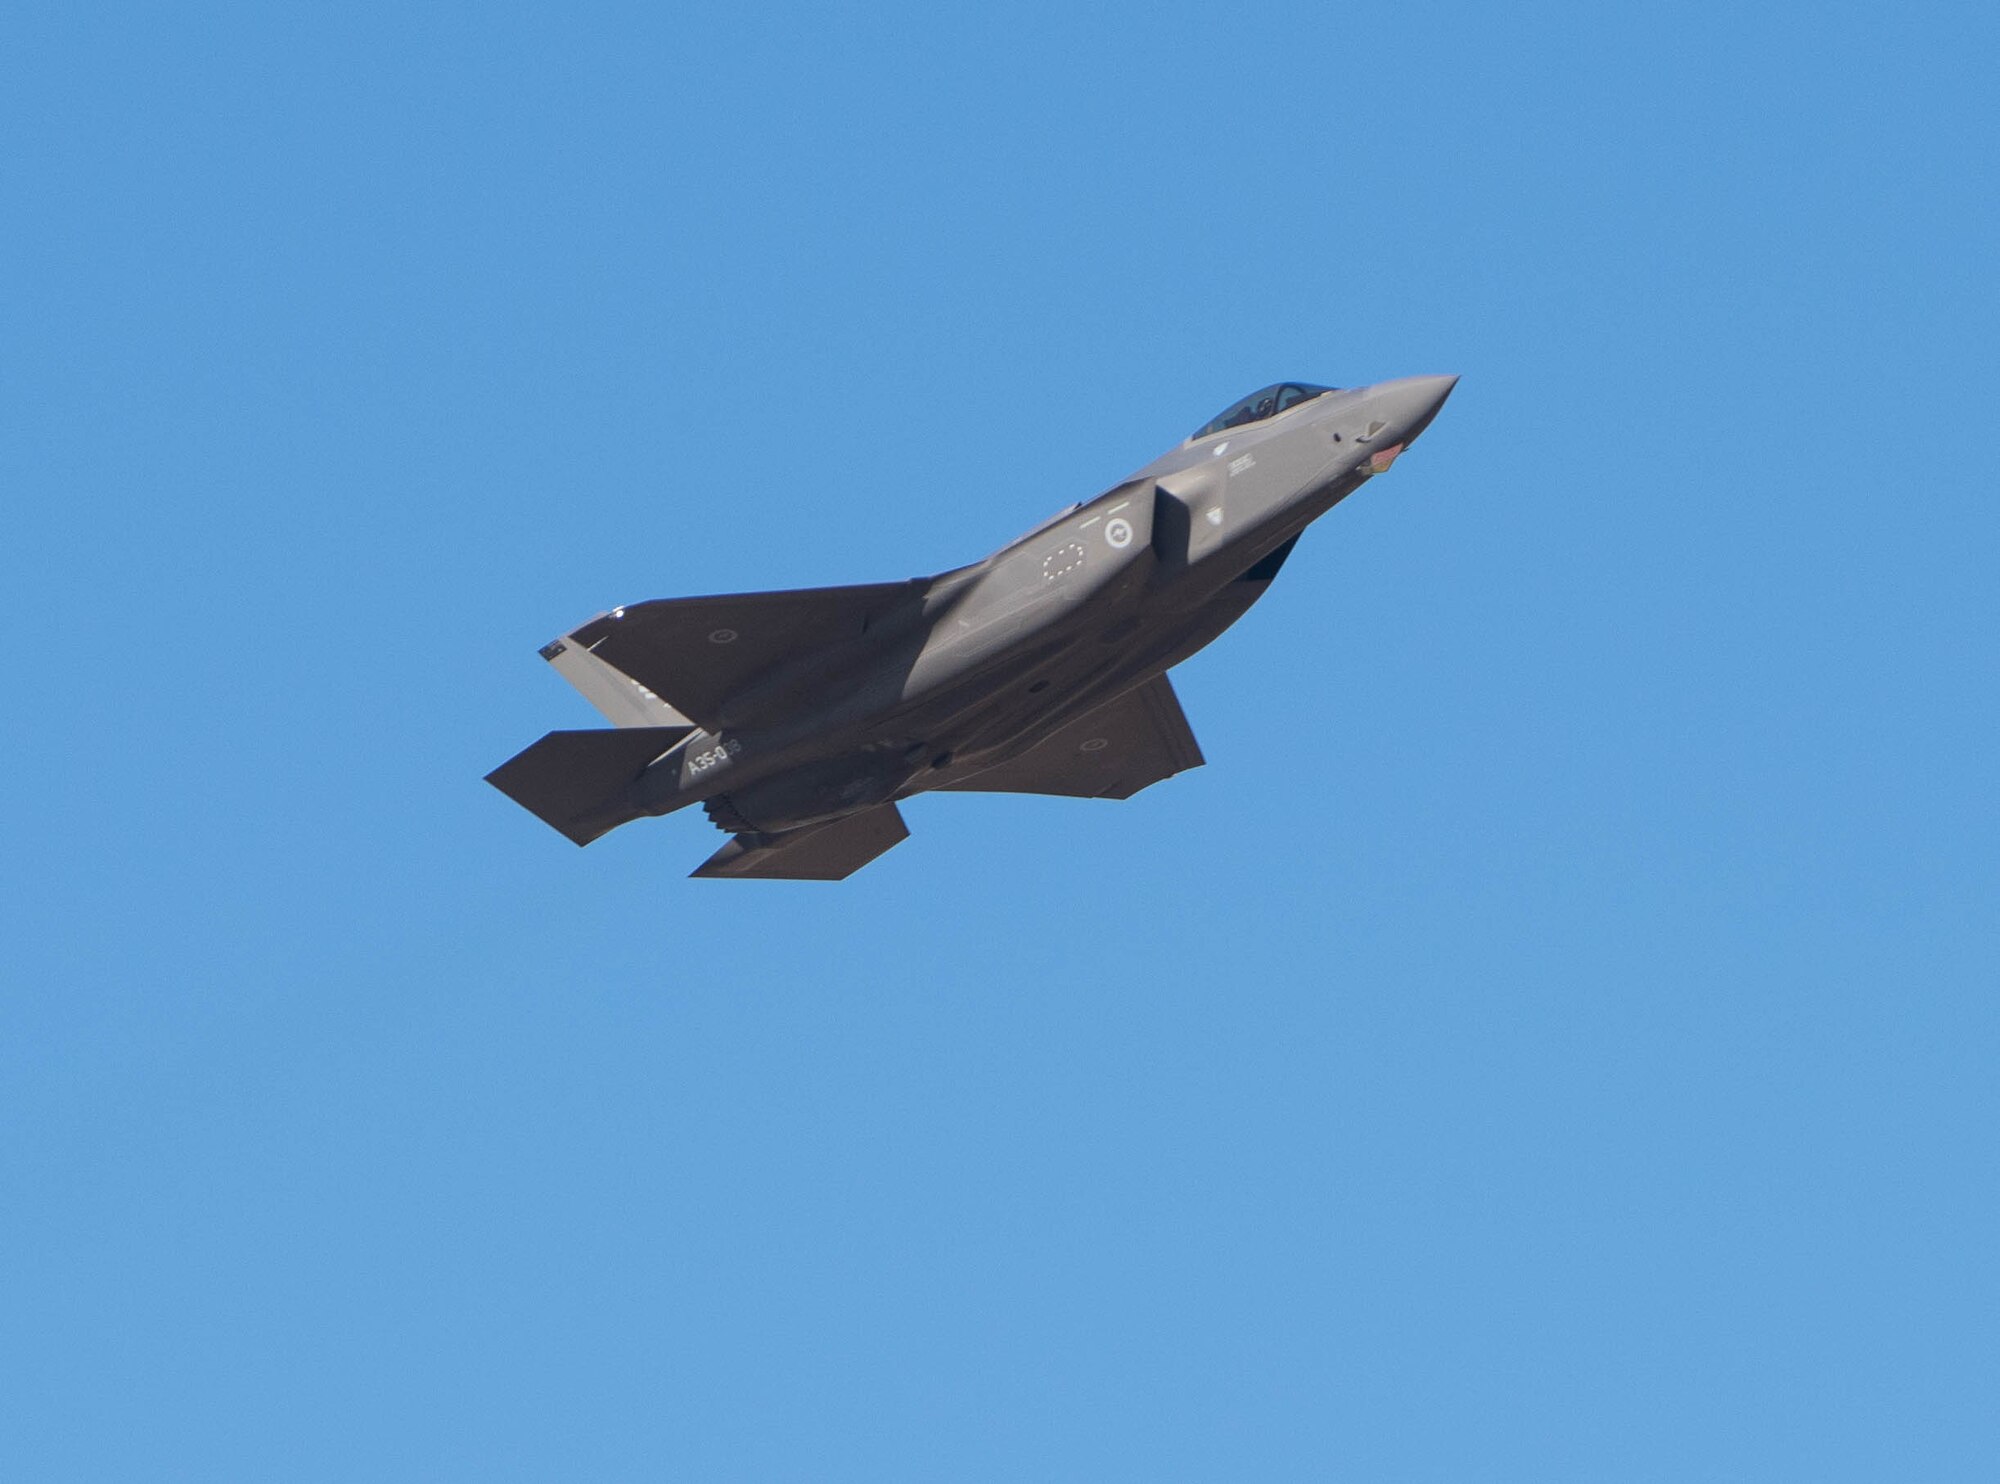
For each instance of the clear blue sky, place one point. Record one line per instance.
(1555, 1037)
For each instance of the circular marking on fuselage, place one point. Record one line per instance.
(1118, 531)
(1094, 744)
(722, 636)
(1070, 556)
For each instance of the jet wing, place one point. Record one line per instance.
(695, 653)
(1110, 753)
(819, 852)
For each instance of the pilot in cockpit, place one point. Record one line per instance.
(1260, 405)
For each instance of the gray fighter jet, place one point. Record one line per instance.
(798, 719)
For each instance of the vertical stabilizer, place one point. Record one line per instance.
(819, 852)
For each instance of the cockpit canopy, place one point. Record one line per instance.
(1269, 402)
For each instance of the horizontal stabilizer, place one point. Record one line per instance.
(576, 781)
(819, 852)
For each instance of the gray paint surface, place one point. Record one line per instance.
(797, 719)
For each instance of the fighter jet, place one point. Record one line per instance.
(799, 719)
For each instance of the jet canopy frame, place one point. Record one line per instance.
(1263, 403)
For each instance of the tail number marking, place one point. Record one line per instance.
(715, 756)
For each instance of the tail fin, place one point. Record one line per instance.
(819, 852)
(577, 781)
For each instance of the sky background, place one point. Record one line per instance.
(1554, 1038)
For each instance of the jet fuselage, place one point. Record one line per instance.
(1110, 592)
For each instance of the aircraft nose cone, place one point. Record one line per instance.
(1436, 388)
(1408, 405)
(1418, 398)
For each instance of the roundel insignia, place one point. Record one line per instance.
(1094, 744)
(1118, 531)
(722, 636)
